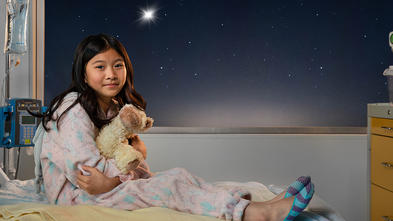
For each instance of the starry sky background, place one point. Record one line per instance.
(231, 63)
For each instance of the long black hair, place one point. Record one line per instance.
(86, 50)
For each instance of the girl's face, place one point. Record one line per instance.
(106, 75)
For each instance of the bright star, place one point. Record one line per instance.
(148, 15)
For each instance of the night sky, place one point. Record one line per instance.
(221, 63)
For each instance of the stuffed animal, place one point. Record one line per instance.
(112, 140)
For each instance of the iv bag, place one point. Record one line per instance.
(16, 26)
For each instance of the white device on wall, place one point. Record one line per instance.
(389, 72)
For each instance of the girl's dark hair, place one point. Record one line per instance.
(86, 50)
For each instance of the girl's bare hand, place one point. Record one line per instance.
(96, 182)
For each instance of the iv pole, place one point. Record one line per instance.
(8, 156)
(7, 85)
(4, 170)
(15, 43)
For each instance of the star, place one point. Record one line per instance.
(148, 15)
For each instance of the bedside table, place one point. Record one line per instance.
(380, 139)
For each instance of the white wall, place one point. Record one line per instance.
(336, 163)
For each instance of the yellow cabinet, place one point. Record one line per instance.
(382, 161)
(381, 204)
(380, 133)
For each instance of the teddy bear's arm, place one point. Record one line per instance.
(127, 158)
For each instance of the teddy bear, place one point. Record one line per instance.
(112, 140)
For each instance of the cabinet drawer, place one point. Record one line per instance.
(381, 204)
(382, 126)
(382, 161)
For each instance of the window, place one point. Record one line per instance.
(237, 63)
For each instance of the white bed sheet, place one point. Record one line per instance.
(17, 191)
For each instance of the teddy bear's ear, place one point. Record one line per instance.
(149, 122)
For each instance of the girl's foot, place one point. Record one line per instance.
(297, 186)
(281, 209)
(280, 196)
(293, 189)
(272, 211)
(301, 201)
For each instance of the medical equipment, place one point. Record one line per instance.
(17, 126)
(16, 26)
(17, 129)
(16, 29)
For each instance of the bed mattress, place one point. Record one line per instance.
(20, 192)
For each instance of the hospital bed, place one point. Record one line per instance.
(19, 201)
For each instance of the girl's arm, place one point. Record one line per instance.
(96, 182)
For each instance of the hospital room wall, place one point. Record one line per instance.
(337, 163)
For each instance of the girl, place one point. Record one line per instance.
(75, 173)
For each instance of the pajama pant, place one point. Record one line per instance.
(175, 189)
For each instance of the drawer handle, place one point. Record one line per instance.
(387, 165)
(387, 128)
(386, 218)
